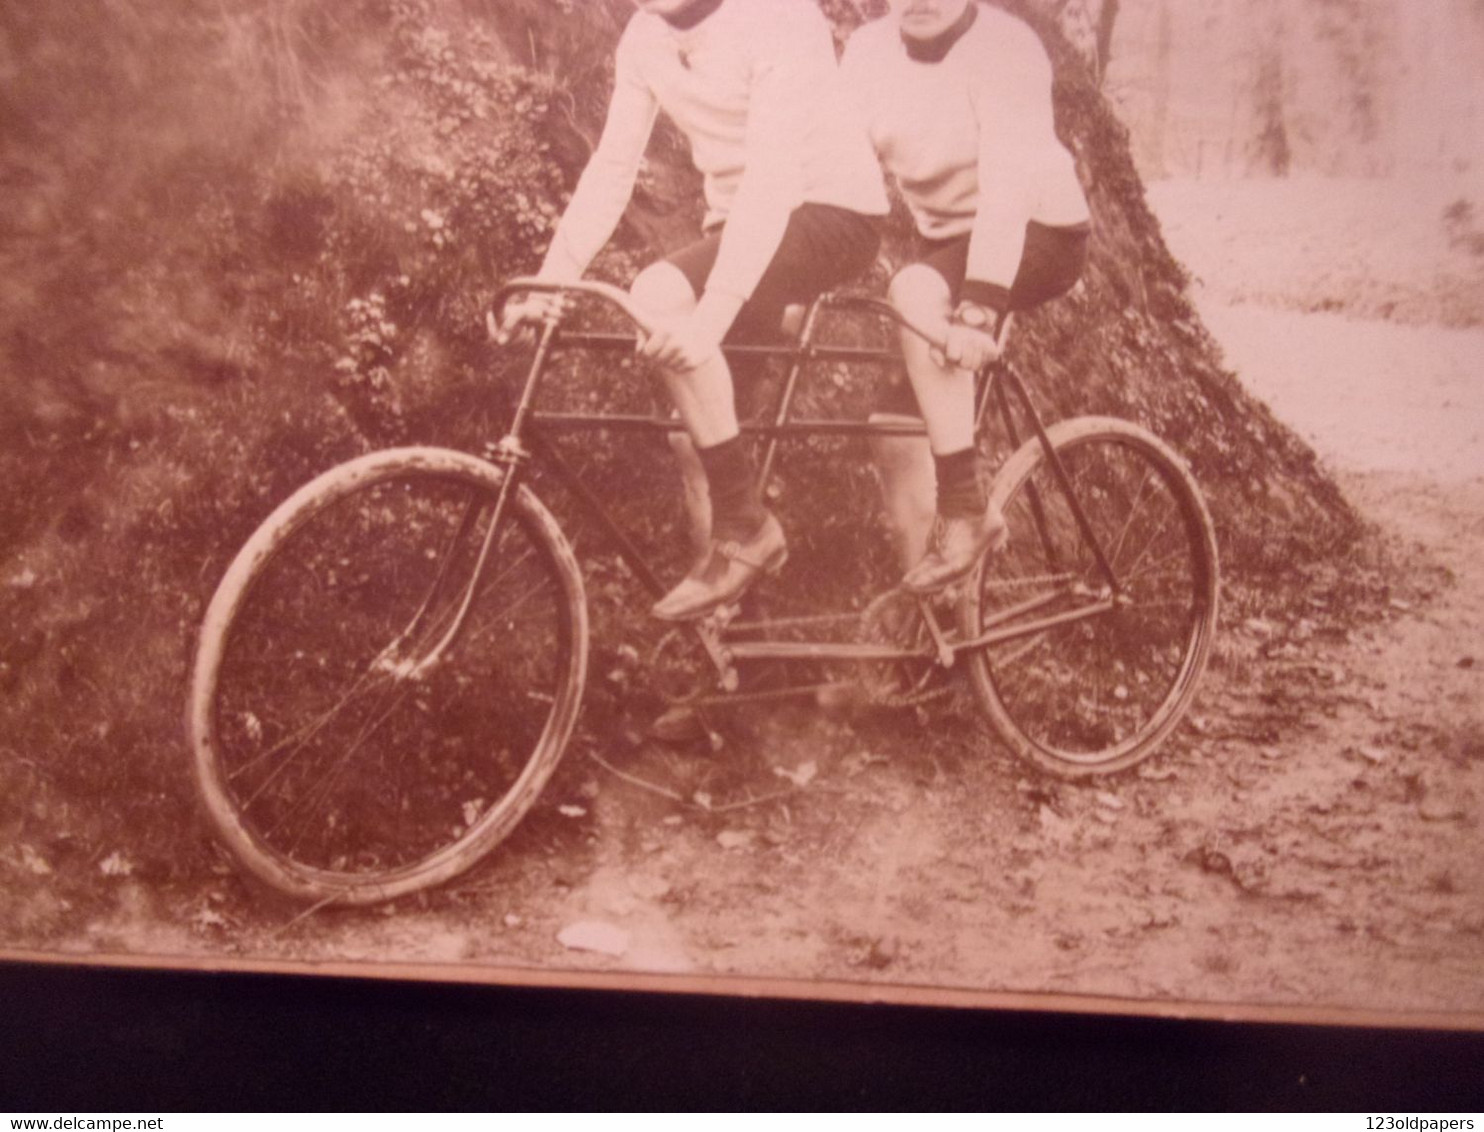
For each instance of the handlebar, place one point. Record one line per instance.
(620, 299)
(522, 284)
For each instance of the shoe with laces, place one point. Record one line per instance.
(956, 547)
(725, 574)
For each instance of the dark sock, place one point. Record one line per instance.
(963, 490)
(736, 508)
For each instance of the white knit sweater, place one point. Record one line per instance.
(756, 90)
(970, 139)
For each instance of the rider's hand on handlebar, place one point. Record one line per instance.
(520, 315)
(681, 345)
(968, 347)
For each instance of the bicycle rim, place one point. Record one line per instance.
(1102, 691)
(348, 744)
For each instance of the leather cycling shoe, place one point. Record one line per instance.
(725, 574)
(956, 548)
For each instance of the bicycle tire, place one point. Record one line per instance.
(1096, 695)
(340, 754)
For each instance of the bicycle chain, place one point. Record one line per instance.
(929, 690)
(879, 680)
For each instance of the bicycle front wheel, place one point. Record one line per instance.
(1089, 674)
(387, 676)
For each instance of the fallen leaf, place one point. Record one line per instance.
(648, 887)
(472, 809)
(116, 865)
(209, 918)
(34, 862)
(881, 953)
(1212, 861)
(1438, 808)
(801, 776)
(594, 935)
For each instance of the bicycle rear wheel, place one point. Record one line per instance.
(1100, 689)
(348, 746)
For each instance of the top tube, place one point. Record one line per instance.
(620, 299)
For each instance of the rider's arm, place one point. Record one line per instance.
(1017, 133)
(606, 184)
(857, 77)
(787, 72)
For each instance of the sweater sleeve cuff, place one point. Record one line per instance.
(990, 295)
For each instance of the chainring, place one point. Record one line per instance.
(895, 618)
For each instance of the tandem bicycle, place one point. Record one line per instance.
(395, 661)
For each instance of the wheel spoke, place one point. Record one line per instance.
(360, 778)
(1095, 694)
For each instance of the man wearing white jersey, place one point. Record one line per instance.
(956, 97)
(793, 195)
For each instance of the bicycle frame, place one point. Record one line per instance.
(395, 660)
(532, 428)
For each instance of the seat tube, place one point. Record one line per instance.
(985, 393)
(798, 360)
(1063, 479)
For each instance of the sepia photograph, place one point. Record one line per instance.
(969, 503)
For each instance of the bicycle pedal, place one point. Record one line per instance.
(951, 594)
(723, 615)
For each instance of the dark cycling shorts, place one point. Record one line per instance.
(1051, 263)
(822, 247)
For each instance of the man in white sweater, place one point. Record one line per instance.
(792, 195)
(956, 97)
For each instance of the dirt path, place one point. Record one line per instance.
(1312, 836)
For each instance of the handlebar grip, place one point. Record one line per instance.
(614, 295)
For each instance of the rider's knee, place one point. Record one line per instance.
(684, 449)
(663, 289)
(918, 288)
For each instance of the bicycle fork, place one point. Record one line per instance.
(512, 455)
(396, 662)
